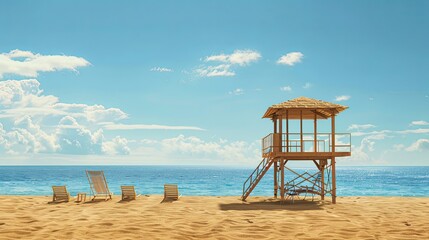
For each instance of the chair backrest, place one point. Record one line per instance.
(60, 192)
(171, 191)
(128, 192)
(98, 182)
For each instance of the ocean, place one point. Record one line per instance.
(209, 181)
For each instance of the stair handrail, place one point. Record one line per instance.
(250, 178)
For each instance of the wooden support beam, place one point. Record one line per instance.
(275, 124)
(334, 184)
(282, 179)
(317, 165)
(287, 131)
(322, 179)
(315, 132)
(321, 114)
(281, 134)
(301, 136)
(333, 131)
(275, 180)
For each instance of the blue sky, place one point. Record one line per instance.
(104, 73)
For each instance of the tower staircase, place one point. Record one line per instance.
(255, 177)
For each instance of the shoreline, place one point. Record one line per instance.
(215, 217)
(327, 198)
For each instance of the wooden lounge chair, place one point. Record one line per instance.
(128, 193)
(60, 194)
(98, 185)
(171, 192)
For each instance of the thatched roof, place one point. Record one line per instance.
(308, 106)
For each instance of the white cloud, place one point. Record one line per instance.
(414, 131)
(222, 70)
(307, 85)
(25, 98)
(286, 89)
(342, 98)
(402, 132)
(118, 146)
(360, 127)
(419, 145)
(239, 57)
(92, 113)
(419, 123)
(379, 136)
(68, 137)
(39, 123)
(363, 153)
(373, 133)
(28, 64)
(366, 150)
(74, 138)
(291, 58)
(27, 137)
(113, 126)
(23, 93)
(218, 151)
(237, 91)
(161, 69)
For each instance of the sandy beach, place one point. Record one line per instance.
(32, 217)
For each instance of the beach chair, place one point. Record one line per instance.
(60, 194)
(98, 185)
(315, 189)
(291, 192)
(171, 192)
(128, 193)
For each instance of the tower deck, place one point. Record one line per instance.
(306, 146)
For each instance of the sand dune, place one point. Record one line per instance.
(29, 217)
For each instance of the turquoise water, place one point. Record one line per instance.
(212, 181)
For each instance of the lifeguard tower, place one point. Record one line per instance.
(283, 146)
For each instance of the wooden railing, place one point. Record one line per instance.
(255, 177)
(294, 143)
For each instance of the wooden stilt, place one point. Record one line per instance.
(275, 180)
(315, 132)
(334, 183)
(322, 179)
(287, 131)
(301, 135)
(275, 124)
(282, 179)
(280, 134)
